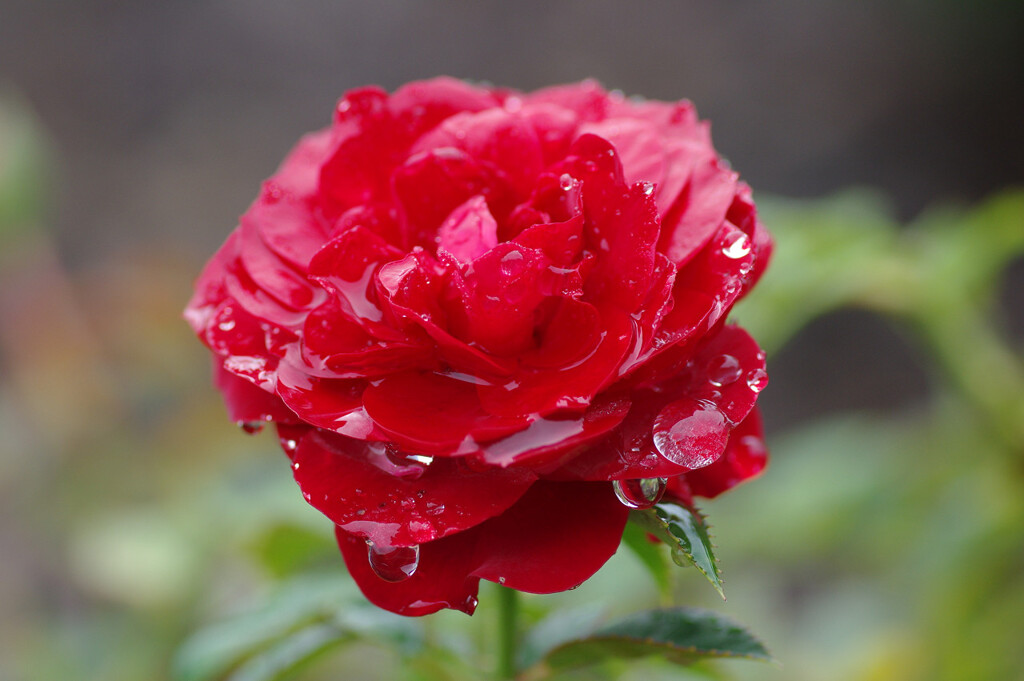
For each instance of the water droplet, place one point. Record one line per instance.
(393, 563)
(226, 325)
(512, 264)
(295, 466)
(723, 370)
(738, 247)
(272, 192)
(361, 512)
(566, 181)
(757, 380)
(690, 433)
(251, 427)
(501, 580)
(648, 189)
(641, 493)
(289, 446)
(389, 458)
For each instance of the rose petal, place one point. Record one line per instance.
(430, 185)
(698, 212)
(469, 231)
(441, 580)
(556, 537)
(440, 499)
(587, 99)
(333, 404)
(432, 413)
(622, 225)
(272, 274)
(547, 439)
(541, 391)
(246, 402)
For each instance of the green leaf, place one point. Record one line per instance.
(650, 555)
(290, 653)
(679, 635)
(306, 616)
(686, 532)
(560, 626)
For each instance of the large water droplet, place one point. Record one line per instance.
(393, 563)
(737, 247)
(723, 370)
(642, 493)
(757, 380)
(690, 433)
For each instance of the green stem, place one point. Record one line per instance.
(508, 634)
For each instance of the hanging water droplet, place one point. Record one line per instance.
(393, 563)
(757, 380)
(251, 427)
(641, 493)
(738, 247)
(723, 370)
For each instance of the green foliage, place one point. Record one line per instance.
(686, 532)
(678, 635)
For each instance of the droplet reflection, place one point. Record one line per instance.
(641, 493)
(393, 563)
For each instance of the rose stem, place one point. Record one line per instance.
(508, 611)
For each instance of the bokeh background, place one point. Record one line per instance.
(885, 542)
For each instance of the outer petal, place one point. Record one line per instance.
(413, 504)
(556, 537)
(246, 402)
(442, 579)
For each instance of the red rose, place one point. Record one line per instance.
(469, 310)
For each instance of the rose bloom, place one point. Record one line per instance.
(488, 323)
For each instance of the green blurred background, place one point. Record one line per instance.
(144, 537)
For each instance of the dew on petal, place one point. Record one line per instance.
(512, 264)
(565, 181)
(640, 493)
(389, 458)
(723, 370)
(393, 563)
(757, 380)
(691, 433)
(738, 247)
